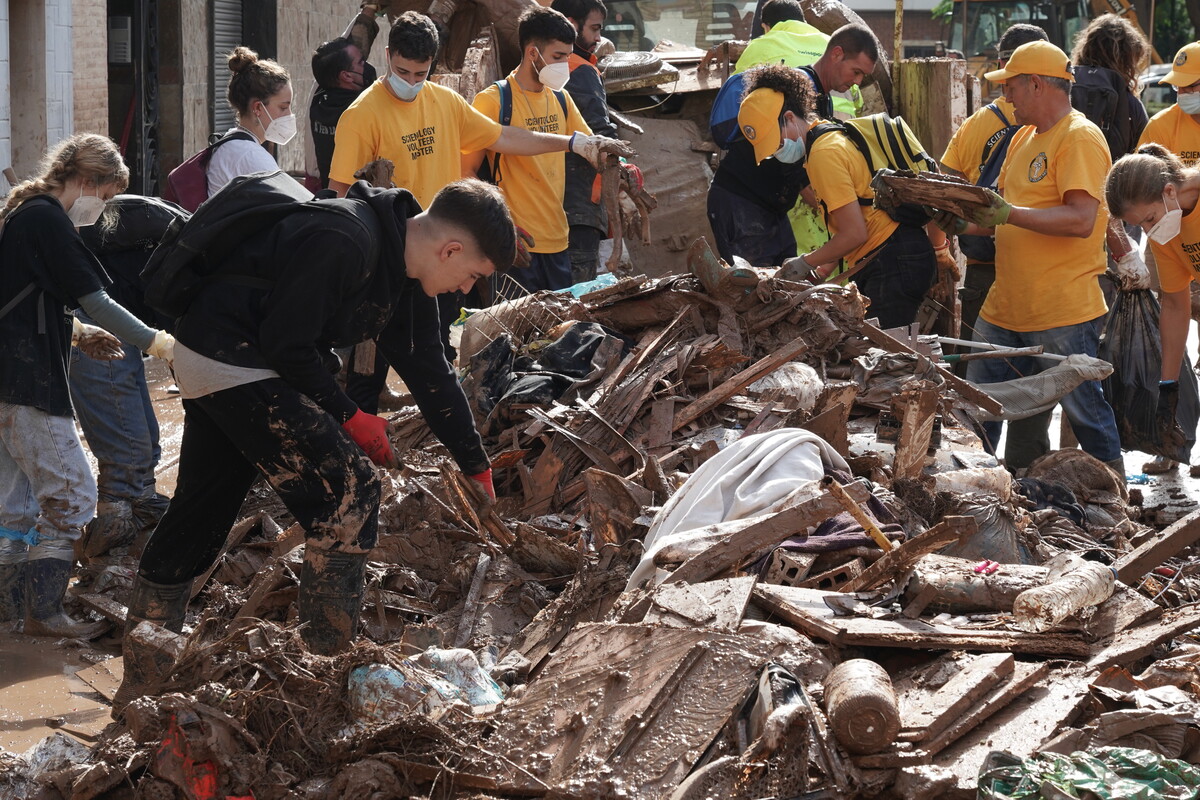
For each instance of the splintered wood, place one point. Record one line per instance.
(933, 189)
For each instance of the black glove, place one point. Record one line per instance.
(1170, 433)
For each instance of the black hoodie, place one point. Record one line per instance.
(323, 114)
(329, 291)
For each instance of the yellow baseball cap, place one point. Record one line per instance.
(758, 117)
(1185, 70)
(1034, 58)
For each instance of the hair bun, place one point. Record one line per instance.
(1154, 149)
(240, 58)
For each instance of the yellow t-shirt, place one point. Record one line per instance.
(424, 138)
(1046, 281)
(1179, 261)
(534, 186)
(1176, 131)
(840, 177)
(965, 151)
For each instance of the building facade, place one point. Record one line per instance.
(151, 74)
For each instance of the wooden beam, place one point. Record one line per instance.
(900, 560)
(916, 408)
(763, 532)
(764, 366)
(956, 696)
(1132, 645)
(968, 391)
(1173, 539)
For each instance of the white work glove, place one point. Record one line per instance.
(163, 346)
(594, 148)
(95, 342)
(1131, 269)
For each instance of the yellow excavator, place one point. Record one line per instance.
(1061, 19)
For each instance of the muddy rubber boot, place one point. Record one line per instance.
(46, 582)
(331, 589)
(113, 526)
(1117, 465)
(163, 604)
(12, 591)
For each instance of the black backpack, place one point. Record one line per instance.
(489, 170)
(1102, 95)
(195, 254)
(983, 248)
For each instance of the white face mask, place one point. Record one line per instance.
(554, 75)
(1189, 103)
(1168, 225)
(403, 89)
(86, 209)
(280, 130)
(790, 151)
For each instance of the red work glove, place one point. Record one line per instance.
(370, 433)
(485, 480)
(636, 180)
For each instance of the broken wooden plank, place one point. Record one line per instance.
(806, 609)
(1024, 676)
(1173, 539)
(915, 406)
(967, 391)
(713, 605)
(762, 532)
(1019, 728)
(1134, 644)
(956, 696)
(105, 677)
(628, 669)
(902, 559)
(860, 516)
(764, 366)
(105, 606)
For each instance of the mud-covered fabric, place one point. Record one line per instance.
(40, 246)
(47, 492)
(324, 478)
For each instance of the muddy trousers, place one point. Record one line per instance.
(320, 474)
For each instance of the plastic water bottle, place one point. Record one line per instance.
(1071, 585)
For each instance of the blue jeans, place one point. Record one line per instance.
(545, 271)
(1091, 416)
(113, 405)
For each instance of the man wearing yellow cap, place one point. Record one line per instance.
(1049, 228)
(775, 118)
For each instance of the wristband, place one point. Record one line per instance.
(943, 246)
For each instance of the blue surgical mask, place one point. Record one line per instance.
(791, 151)
(403, 89)
(1189, 103)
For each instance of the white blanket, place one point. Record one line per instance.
(751, 477)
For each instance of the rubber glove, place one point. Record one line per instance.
(1131, 269)
(594, 148)
(798, 269)
(485, 480)
(948, 222)
(95, 342)
(525, 245)
(946, 262)
(162, 347)
(994, 213)
(370, 432)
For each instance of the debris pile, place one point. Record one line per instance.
(747, 545)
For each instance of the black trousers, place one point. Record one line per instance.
(324, 478)
(897, 280)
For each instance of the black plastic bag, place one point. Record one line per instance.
(1131, 343)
